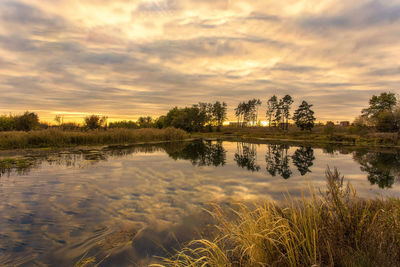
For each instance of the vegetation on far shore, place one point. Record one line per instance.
(320, 136)
(379, 124)
(60, 138)
(334, 228)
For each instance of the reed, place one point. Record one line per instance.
(333, 228)
(60, 138)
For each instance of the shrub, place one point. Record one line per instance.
(26, 122)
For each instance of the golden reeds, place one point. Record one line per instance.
(60, 138)
(333, 229)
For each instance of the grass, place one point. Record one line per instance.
(334, 228)
(60, 138)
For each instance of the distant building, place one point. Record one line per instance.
(344, 124)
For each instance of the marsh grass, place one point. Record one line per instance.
(60, 138)
(332, 228)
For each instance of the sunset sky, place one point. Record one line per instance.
(124, 58)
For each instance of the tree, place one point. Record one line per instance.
(254, 104)
(160, 122)
(93, 122)
(248, 111)
(304, 117)
(59, 119)
(287, 101)
(239, 112)
(272, 105)
(190, 118)
(219, 114)
(378, 104)
(27, 121)
(145, 122)
(381, 112)
(7, 123)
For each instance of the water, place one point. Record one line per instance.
(132, 203)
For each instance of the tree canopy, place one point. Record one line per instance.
(304, 116)
(383, 112)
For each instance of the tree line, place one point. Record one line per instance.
(197, 118)
(382, 114)
(277, 113)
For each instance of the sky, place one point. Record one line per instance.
(128, 58)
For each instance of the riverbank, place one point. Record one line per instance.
(340, 136)
(332, 228)
(57, 138)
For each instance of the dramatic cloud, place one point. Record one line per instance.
(127, 58)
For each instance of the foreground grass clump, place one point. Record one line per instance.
(60, 138)
(335, 228)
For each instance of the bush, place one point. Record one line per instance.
(7, 123)
(26, 122)
(93, 122)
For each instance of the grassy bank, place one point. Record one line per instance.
(60, 138)
(339, 135)
(334, 228)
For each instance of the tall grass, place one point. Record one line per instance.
(334, 228)
(60, 138)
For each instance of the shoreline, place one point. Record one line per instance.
(364, 144)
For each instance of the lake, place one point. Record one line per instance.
(135, 203)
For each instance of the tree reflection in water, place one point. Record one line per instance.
(199, 153)
(303, 159)
(277, 160)
(382, 168)
(246, 156)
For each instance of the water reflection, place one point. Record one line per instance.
(277, 160)
(246, 156)
(303, 159)
(199, 153)
(383, 168)
(133, 201)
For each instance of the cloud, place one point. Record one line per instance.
(128, 57)
(368, 14)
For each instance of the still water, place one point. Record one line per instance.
(132, 204)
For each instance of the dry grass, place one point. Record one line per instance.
(334, 228)
(60, 138)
